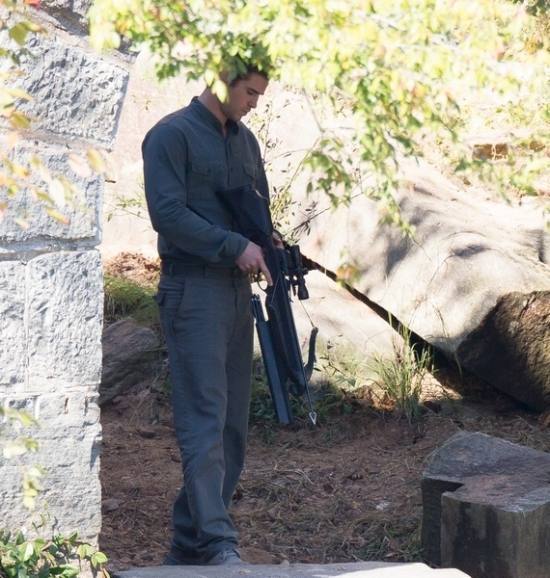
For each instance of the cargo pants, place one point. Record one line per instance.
(208, 327)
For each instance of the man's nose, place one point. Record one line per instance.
(254, 102)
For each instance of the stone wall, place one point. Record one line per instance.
(51, 294)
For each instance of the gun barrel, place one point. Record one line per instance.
(279, 395)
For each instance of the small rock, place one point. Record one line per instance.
(130, 356)
(147, 433)
(110, 504)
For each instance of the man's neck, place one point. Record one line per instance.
(212, 103)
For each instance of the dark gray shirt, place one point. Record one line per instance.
(186, 160)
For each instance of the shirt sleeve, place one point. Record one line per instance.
(164, 165)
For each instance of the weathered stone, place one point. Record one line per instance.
(355, 570)
(81, 208)
(487, 507)
(444, 284)
(72, 10)
(343, 321)
(65, 311)
(75, 95)
(68, 435)
(130, 356)
(51, 304)
(12, 322)
(512, 345)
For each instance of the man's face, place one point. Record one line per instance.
(243, 96)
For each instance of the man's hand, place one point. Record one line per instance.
(252, 261)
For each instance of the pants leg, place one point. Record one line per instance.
(239, 382)
(205, 323)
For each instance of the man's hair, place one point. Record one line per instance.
(248, 71)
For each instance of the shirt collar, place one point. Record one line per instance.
(209, 118)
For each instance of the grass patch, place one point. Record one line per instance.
(125, 298)
(400, 378)
(337, 390)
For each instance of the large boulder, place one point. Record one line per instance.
(474, 281)
(130, 356)
(346, 325)
(486, 505)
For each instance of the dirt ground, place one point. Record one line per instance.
(345, 490)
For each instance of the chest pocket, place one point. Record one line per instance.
(250, 171)
(203, 178)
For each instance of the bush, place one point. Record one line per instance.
(39, 558)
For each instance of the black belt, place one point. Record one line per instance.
(179, 268)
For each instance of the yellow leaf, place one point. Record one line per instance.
(55, 214)
(57, 192)
(79, 166)
(29, 502)
(19, 93)
(13, 449)
(19, 121)
(20, 171)
(41, 195)
(39, 167)
(3, 209)
(96, 161)
(219, 88)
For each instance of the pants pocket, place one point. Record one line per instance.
(169, 298)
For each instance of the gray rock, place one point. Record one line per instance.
(487, 508)
(511, 348)
(72, 10)
(347, 326)
(81, 208)
(357, 570)
(68, 437)
(468, 255)
(12, 322)
(130, 356)
(75, 94)
(65, 313)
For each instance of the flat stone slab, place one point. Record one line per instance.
(348, 570)
(487, 507)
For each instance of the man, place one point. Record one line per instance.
(204, 299)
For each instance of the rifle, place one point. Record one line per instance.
(277, 335)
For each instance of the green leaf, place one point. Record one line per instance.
(19, 32)
(98, 559)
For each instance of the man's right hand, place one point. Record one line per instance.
(252, 260)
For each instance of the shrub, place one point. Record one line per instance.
(400, 378)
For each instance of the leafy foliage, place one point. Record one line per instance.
(22, 557)
(55, 193)
(38, 558)
(388, 68)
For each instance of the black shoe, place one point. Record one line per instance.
(178, 558)
(229, 557)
